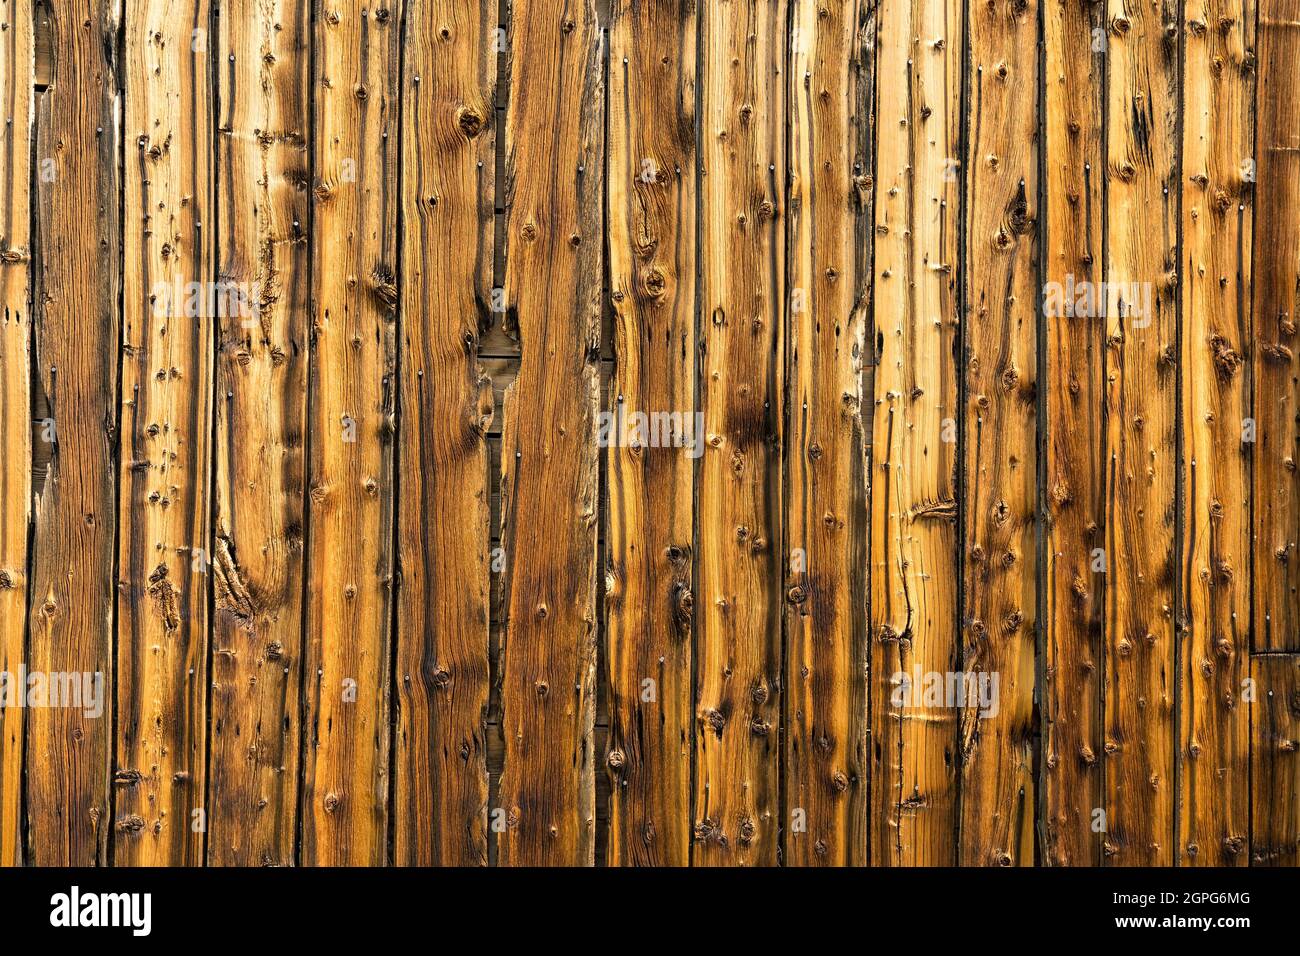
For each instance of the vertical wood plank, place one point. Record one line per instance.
(826, 735)
(350, 435)
(554, 230)
(1142, 398)
(914, 508)
(1275, 759)
(742, 277)
(1074, 316)
(262, 178)
(168, 317)
(1000, 492)
(448, 163)
(1217, 140)
(76, 356)
(1276, 311)
(652, 262)
(17, 64)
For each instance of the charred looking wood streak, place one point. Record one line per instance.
(650, 432)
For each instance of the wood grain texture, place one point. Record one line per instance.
(914, 569)
(262, 178)
(75, 357)
(554, 225)
(166, 432)
(1000, 483)
(1276, 311)
(1214, 632)
(350, 445)
(649, 605)
(17, 65)
(827, 764)
(742, 274)
(1075, 515)
(1275, 761)
(1141, 394)
(449, 73)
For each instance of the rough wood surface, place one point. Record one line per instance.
(1214, 625)
(17, 65)
(347, 732)
(554, 149)
(742, 275)
(1074, 501)
(160, 773)
(75, 363)
(827, 764)
(1000, 478)
(1141, 395)
(649, 604)
(1275, 763)
(449, 74)
(1276, 314)
(262, 177)
(914, 545)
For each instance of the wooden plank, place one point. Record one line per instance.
(1217, 137)
(554, 231)
(76, 335)
(17, 64)
(163, 530)
(1141, 413)
(649, 604)
(350, 427)
(261, 403)
(446, 407)
(1000, 484)
(1275, 759)
(1075, 585)
(829, 248)
(742, 277)
(1276, 368)
(914, 508)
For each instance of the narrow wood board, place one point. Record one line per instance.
(650, 428)
(827, 765)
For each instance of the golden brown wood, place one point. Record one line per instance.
(446, 407)
(742, 278)
(1217, 139)
(17, 59)
(350, 436)
(649, 605)
(76, 358)
(914, 508)
(554, 164)
(1075, 490)
(1000, 492)
(1141, 396)
(1276, 313)
(826, 760)
(168, 317)
(261, 401)
(1275, 761)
